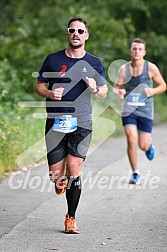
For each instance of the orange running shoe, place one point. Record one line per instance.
(70, 225)
(61, 187)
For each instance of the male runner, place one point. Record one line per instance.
(73, 75)
(135, 86)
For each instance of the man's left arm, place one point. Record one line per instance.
(95, 89)
(157, 79)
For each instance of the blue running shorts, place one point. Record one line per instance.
(143, 124)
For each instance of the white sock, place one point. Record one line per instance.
(136, 171)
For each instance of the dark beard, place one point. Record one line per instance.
(75, 47)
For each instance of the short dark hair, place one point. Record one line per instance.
(78, 19)
(139, 40)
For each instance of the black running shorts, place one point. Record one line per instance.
(60, 145)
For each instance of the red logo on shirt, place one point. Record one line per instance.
(63, 69)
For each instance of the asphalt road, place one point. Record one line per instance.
(112, 215)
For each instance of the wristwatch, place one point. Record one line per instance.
(97, 90)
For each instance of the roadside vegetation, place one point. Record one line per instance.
(29, 33)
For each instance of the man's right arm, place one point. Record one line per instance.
(41, 89)
(118, 87)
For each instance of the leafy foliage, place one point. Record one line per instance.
(32, 29)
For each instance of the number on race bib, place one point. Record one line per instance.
(65, 124)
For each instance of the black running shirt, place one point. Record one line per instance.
(59, 70)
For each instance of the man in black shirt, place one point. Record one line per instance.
(72, 76)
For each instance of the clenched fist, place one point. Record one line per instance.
(56, 94)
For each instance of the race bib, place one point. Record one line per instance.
(65, 124)
(135, 99)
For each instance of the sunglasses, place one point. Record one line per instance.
(73, 30)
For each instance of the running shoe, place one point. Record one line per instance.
(70, 225)
(135, 179)
(61, 188)
(150, 153)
